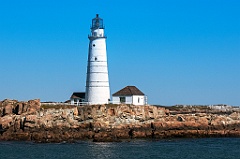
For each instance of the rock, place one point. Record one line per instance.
(33, 105)
(235, 116)
(8, 109)
(180, 118)
(6, 122)
(19, 109)
(28, 121)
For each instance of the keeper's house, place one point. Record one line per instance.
(129, 95)
(77, 98)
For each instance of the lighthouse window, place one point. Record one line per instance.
(93, 45)
(95, 58)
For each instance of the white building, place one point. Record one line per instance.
(97, 83)
(77, 98)
(129, 95)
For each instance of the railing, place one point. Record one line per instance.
(54, 103)
(118, 102)
(59, 103)
(82, 103)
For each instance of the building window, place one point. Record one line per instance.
(93, 45)
(138, 100)
(122, 99)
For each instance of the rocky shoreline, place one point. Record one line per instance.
(33, 121)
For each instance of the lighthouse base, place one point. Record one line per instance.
(97, 95)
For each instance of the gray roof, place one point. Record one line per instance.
(128, 91)
(78, 95)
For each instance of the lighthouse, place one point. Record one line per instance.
(97, 82)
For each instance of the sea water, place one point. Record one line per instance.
(204, 148)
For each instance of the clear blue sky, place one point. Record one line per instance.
(175, 51)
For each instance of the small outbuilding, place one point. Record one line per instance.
(77, 98)
(129, 95)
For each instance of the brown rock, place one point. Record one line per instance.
(6, 121)
(8, 109)
(26, 121)
(33, 105)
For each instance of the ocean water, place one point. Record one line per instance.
(205, 148)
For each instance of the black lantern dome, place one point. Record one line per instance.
(97, 23)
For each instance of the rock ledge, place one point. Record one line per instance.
(33, 121)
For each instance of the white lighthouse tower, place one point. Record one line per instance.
(97, 83)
